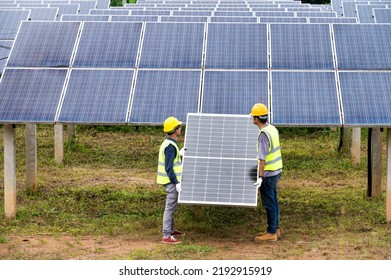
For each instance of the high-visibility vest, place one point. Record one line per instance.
(273, 159)
(162, 176)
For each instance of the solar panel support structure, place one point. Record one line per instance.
(9, 170)
(374, 162)
(31, 156)
(356, 146)
(59, 143)
(388, 177)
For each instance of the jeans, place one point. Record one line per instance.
(268, 191)
(169, 211)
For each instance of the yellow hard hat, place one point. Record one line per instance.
(170, 124)
(259, 110)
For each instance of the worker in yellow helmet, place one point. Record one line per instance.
(269, 170)
(169, 175)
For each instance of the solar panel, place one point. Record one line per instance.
(5, 49)
(108, 44)
(283, 19)
(183, 19)
(366, 98)
(44, 44)
(162, 93)
(382, 15)
(301, 46)
(30, 95)
(43, 13)
(233, 19)
(85, 18)
(97, 96)
(304, 99)
(172, 45)
(365, 12)
(135, 18)
(363, 46)
(233, 92)
(10, 22)
(332, 20)
(220, 166)
(247, 46)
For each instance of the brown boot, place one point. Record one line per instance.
(278, 232)
(267, 237)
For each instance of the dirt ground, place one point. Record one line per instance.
(121, 248)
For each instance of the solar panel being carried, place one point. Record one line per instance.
(219, 165)
(44, 44)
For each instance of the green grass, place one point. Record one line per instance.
(106, 189)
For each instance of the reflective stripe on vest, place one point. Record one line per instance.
(162, 176)
(273, 159)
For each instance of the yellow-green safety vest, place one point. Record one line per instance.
(162, 176)
(273, 159)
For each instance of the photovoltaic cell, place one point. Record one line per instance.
(5, 49)
(237, 46)
(10, 22)
(97, 96)
(382, 15)
(163, 93)
(108, 44)
(301, 46)
(363, 46)
(41, 44)
(233, 92)
(172, 45)
(219, 166)
(305, 99)
(30, 95)
(366, 98)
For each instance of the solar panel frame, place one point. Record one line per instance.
(44, 44)
(31, 95)
(97, 96)
(219, 167)
(178, 93)
(305, 98)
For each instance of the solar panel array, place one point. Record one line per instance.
(274, 56)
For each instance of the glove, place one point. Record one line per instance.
(258, 183)
(182, 151)
(178, 187)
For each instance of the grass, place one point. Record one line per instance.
(105, 190)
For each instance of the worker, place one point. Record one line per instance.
(269, 171)
(169, 175)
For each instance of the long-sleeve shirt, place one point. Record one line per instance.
(170, 154)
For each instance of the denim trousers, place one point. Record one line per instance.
(268, 191)
(169, 211)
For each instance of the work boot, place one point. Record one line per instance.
(278, 232)
(267, 237)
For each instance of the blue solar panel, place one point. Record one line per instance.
(10, 22)
(44, 44)
(163, 93)
(305, 99)
(366, 98)
(301, 46)
(365, 12)
(108, 44)
(283, 19)
(172, 45)
(183, 19)
(233, 19)
(43, 13)
(333, 20)
(233, 92)
(135, 18)
(219, 166)
(30, 95)
(97, 96)
(363, 46)
(5, 49)
(234, 46)
(382, 15)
